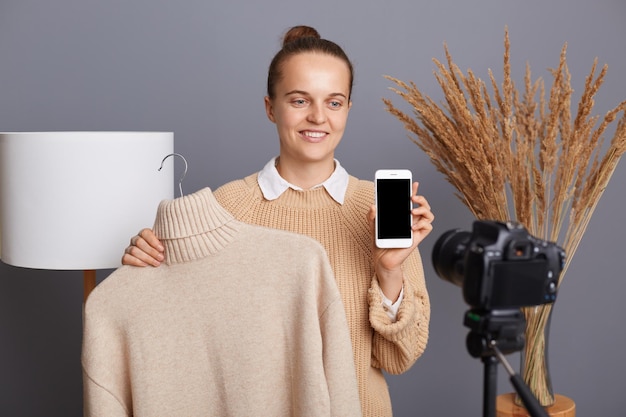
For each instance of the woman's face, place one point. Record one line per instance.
(310, 107)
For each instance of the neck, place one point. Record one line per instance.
(193, 227)
(305, 175)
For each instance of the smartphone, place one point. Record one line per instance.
(393, 189)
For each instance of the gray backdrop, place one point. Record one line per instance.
(198, 68)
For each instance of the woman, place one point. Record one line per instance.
(305, 190)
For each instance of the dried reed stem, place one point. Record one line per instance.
(519, 157)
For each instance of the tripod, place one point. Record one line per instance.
(494, 333)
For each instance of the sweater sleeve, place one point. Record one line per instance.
(397, 345)
(98, 402)
(338, 362)
(104, 373)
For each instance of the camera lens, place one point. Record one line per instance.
(448, 254)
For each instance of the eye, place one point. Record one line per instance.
(299, 102)
(335, 104)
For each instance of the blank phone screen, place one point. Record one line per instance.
(394, 208)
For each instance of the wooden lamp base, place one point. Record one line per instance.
(89, 283)
(506, 407)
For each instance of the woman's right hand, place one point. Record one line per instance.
(145, 249)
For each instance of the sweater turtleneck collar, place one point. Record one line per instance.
(194, 226)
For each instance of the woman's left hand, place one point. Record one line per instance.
(388, 262)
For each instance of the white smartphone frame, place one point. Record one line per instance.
(389, 233)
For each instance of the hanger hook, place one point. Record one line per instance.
(180, 181)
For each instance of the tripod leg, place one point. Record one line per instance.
(490, 385)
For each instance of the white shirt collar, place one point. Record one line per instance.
(273, 185)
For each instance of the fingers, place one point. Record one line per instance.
(371, 215)
(144, 249)
(423, 217)
(422, 210)
(129, 259)
(422, 227)
(151, 239)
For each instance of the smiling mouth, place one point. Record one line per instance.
(313, 136)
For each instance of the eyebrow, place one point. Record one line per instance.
(304, 93)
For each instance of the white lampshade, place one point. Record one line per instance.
(73, 200)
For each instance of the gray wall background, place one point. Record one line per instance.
(198, 68)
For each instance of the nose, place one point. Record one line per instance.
(316, 114)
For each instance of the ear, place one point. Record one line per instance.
(269, 109)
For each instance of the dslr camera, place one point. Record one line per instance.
(499, 265)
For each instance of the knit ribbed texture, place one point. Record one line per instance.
(344, 232)
(193, 226)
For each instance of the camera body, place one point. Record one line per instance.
(499, 265)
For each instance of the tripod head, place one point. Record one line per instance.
(504, 328)
(494, 333)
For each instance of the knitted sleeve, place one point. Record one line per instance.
(337, 348)
(104, 375)
(396, 346)
(100, 402)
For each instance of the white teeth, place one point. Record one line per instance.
(314, 134)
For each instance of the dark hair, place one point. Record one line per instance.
(301, 39)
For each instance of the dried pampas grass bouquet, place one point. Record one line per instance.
(520, 156)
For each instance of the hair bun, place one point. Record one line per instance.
(298, 32)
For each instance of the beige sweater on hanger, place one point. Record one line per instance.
(240, 320)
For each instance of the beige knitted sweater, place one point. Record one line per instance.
(241, 320)
(377, 343)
